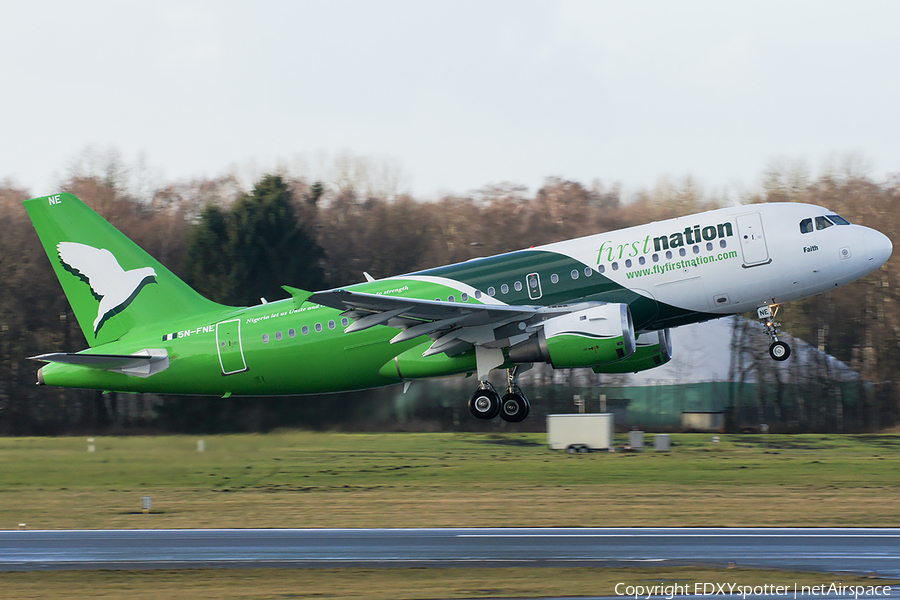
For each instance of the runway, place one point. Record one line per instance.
(854, 550)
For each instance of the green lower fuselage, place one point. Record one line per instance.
(281, 348)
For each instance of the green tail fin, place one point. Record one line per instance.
(113, 285)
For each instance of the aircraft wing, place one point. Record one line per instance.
(454, 327)
(414, 308)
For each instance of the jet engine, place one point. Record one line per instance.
(592, 336)
(654, 348)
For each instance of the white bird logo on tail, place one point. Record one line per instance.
(115, 286)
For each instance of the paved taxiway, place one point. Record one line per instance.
(857, 550)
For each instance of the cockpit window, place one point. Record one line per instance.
(806, 226)
(837, 220)
(823, 223)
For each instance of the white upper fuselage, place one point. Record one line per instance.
(734, 259)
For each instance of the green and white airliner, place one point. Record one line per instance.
(605, 301)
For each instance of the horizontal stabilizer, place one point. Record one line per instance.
(141, 364)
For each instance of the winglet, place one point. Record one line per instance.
(300, 296)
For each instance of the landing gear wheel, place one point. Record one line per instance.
(484, 404)
(779, 350)
(514, 407)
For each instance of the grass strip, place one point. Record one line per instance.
(391, 584)
(302, 479)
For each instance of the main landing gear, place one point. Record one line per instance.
(778, 350)
(513, 407)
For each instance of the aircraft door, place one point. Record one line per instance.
(533, 281)
(753, 240)
(231, 351)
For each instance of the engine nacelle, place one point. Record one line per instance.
(654, 348)
(593, 336)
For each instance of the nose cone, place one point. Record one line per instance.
(878, 248)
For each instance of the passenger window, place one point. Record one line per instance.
(823, 223)
(451, 298)
(491, 291)
(330, 324)
(292, 332)
(708, 246)
(518, 286)
(682, 252)
(464, 297)
(344, 322)
(642, 260)
(615, 266)
(554, 278)
(575, 273)
(806, 226)
(601, 268)
(627, 263)
(318, 328)
(696, 249)
(478, 294)
(304, 330)
(656, 258)
(588, 271)
(504, 289)
(722, 243)
(265, 338)
(278, 336)
(668, 254)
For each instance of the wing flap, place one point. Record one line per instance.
(425, 328)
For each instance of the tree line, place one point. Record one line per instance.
(237, 246)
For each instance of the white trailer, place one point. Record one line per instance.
(580, 432)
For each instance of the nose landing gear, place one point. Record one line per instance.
(778, 349)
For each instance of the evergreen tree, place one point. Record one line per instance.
(207, 264)
(250, 252)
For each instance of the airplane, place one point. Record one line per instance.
(605, 301)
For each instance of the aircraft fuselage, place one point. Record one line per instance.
(669, 273)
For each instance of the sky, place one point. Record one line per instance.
(448, 97)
